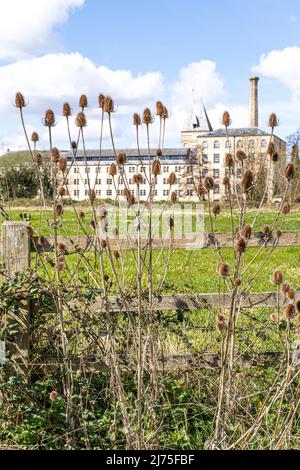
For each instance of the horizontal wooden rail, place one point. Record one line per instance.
(169, 362)
(224, 240)
(188, 302)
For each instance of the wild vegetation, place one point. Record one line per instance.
(181, 378)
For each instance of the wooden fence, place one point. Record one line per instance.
(16, 248)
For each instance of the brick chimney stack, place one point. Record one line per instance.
(253, 102)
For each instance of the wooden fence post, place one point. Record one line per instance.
(16, 258)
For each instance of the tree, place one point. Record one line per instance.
(293, 153)
(21, 182)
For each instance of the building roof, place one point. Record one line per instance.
(132, 154)
(236, 132)
(198, 119)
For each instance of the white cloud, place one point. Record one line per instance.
(27, 25)
(283, 65)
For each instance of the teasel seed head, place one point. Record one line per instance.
(61, 191)
(158, 153)
(226, 121)
(137, 178)
(108, 105)
(201, 189)
(116, 254)
(237, 282)
(223, 269)
(159, 109)
(271, 149)
(221, 326)
(93, 225)
(286, 208)
(126, 193)
(147, 117)
(121, 158)
(73, 145)
(247, 181)
(20, 100)
(137, 119)
(285, 287)
(220, 317)
(166, 114)
(92, 195)
(171, 179)
(41, 240)
(171, 221)
(277, 278)
(273, 121)
(53, 395)
(266, 230)
(229, 162)
(80, 120)
(38, 159)
(101, 99)
(131, 200)
(291, 294)
(83, 102)
(49, 119)
(278, 234)
(216, 209)
(290, 311)
(247, 231)
(60, 264)
(34, 137)
(209, 183)
(290, 171)
(156, 167)
(103, 244)
(62, 164)
(173, 197)
(61, 248)
(29, 230)
(226, 182)
(298, 307)
(67, 110)
(240, 155)
(241, 245)
(112, 169)
(59, 209)
(55, 155)
(81, 215)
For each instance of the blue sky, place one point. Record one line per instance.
(162, 49)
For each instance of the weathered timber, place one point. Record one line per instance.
(16, 259)
(186, 302)
(224, 240)
(168, 363)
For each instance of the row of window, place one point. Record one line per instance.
(131, 169)
(240, 143)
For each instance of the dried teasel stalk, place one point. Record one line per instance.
(92, 195)
(298, 306)
(19, 100)
(55, 155)
(137, 119)
(223, 269)
(49, 119)
(271, 149)
(226, 120)
(80, 120)
(156, 167)
(290, 171)
(121, 158)
(286, 208)
(112, 171)
(247, 231)
(171, 179)
(240, 155)
(173, 197)
(83, 102)
(131, 200)
(29, 230)
(247, 181)
(59, 209)
(201, 191)
(116, 254)
(60, 264)
(229, 162)
(209, 183)
(62, 164)
(147, 117)
(285, 287)
(216, 209)
(103, 244)
(273, 120)
(66, 110)
(277, 277)
(34, 137)
(290, 311)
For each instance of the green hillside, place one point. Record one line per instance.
(12, 159)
